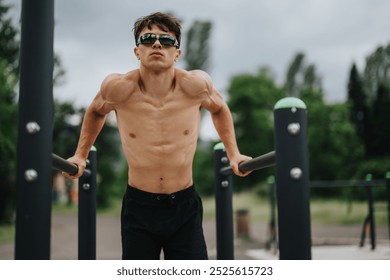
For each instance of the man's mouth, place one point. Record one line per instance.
(156, 53)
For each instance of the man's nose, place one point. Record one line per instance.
(157, 44)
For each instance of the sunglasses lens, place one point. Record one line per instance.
(165, 40)
(148, 39)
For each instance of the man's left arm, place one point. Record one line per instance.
(223, 122)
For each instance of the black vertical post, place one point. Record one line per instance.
(371, 219)
(87, 210)
(292, 179)
(34, 178)
(224, 206)
(272, 240)
(388, 200)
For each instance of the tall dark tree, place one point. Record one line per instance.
(377, 71)
(357, 103)
(9, 44)
(376, 80)
(197, 50)
(9, 49)
(379, 132)
(301, 76)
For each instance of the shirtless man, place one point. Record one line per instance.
(158, 114)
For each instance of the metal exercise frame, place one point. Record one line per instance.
(292, 180)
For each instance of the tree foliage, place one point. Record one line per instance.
(197, 51)
(251, 100)
(9, 49)
(301, 76)
(369, 99)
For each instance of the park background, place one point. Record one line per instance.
(335, 56)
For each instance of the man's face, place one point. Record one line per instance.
(156, 54)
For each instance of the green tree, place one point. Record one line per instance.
(9, 49)
(197, 51)
(9, 44)
(377, 72)
(8, 135)
(334, 148)
(301, 76)
(251, 99)
(378, 123)
(358, 102)
(369, 100)
(329, 125)
(376, 79)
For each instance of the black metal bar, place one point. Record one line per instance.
(292, 179)
(388, 200)
(365, 227)
(256, 163)
(63, 165)
(371, 218)
(272, 231)
(87, 211)
(224, 206)
(34, 180)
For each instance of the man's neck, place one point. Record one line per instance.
(157, 84)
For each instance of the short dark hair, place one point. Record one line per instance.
(165, 22)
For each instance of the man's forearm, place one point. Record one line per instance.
(223, 123)
(92, 125)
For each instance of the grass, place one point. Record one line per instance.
(258, 208)
(323, 211)
(7, 233)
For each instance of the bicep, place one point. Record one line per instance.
(100, 106)
(213, 101)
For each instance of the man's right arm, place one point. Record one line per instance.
(93, 122)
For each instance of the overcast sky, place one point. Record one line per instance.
(94, 38)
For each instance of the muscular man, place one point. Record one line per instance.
(158, 114)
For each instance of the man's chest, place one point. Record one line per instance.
(159, 121)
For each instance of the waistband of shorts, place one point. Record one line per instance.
(161, 197)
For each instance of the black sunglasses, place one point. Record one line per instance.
(165, 40)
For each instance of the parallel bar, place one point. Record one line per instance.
(256, 163)
(63, 165)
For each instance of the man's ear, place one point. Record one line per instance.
(136, 52)
(178, 54)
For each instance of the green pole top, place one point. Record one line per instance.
(93, 149)
(388, 175)
(219, 146)
(271, 179)
(290, 102)
(369, 177)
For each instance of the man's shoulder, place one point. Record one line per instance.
(194, 81)
(117, 88)
(115, 79)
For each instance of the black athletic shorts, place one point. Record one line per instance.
(153, 222)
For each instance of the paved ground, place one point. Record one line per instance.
(329, 242)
